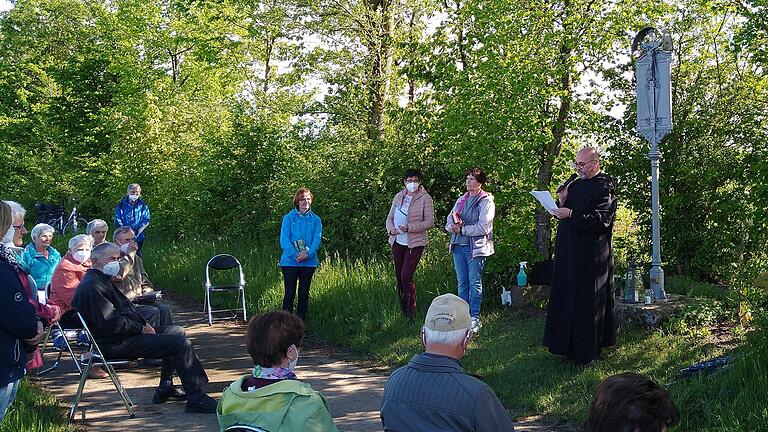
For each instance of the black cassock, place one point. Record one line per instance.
(580, 317)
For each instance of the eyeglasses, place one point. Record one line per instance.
(18, 226)
(576, 164)
(305, 200)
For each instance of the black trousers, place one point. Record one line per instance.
(170, 344)
(70, 320)
(304, 277)
(156, 314)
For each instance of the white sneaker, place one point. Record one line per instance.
(475, 325)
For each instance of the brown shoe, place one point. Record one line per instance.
(97, 372)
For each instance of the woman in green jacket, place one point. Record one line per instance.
(272, 397)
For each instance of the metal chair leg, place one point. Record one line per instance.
(80, 387)
(242, 291)
(208, 299)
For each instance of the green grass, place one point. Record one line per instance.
(35, 410)
(353, 303)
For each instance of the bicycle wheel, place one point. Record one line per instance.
(76, 226)
(56, 224)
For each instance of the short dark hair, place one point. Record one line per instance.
(412, 172)
(269, 336)
(630, 402)
(299, 193)
(478, 174)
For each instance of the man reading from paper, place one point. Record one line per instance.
(580, 316)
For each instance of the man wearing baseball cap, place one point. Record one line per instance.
(432, 392)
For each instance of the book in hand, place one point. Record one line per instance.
(149, 297)
(300, 246)
(456, 218)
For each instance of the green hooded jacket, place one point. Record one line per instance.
(285, 406)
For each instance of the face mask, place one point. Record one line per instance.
(292, 364)
(133, 197)
(8, 237)
(412, 186)
(124, 248)
(81, 255)
(111, 269)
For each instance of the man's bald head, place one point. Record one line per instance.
(587, 162)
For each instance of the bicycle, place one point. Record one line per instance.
(74, 223)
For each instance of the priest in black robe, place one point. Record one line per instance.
(580, 317)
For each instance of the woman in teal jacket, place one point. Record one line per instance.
(40, 258)
(300, 239)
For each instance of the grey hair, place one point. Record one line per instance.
(95, 224)
(123, 229)
(133, 185)
(79, 240)
(452, 338)
(103, 250)
(16, 209)
(41, 229)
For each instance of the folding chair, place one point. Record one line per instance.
(62, 331)
(224, 262)
(97, 359)
(241, 428)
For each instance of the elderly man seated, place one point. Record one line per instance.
(432, 392)
(97, 229)
(134, 282)
(122, 332)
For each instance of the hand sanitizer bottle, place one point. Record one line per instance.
(522, 279)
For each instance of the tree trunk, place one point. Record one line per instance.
(550, 153)
(270, 42)
(380, 49)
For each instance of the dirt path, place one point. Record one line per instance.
(354, 392)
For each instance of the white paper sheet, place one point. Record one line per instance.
(546, 200)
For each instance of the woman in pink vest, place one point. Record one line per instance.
(410, 216)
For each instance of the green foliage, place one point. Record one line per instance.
(34, 410)
(732, 400)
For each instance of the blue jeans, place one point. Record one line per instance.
(469, 274)
(7, 395)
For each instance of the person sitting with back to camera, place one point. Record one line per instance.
(630, 402)
(432, 392)
(272, 397)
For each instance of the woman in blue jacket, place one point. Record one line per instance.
(300, 239)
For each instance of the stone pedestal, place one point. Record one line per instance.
(648, 315)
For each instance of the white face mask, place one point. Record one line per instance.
(133, 197)
(8, 237)
(125, 247)
(292, 364)
(111, 269)
(81, 255)
(412, 186)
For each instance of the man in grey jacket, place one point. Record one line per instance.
(432, 392)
